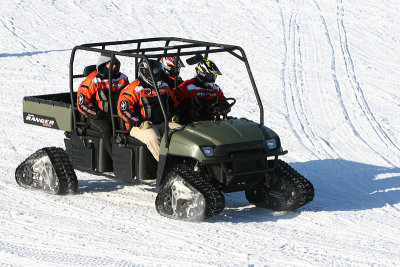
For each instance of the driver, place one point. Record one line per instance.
(203, 90)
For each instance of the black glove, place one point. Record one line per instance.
(135, 121)
(226, 108)
(99, 115)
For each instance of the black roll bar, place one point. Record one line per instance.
(110, 88)
(189, 47)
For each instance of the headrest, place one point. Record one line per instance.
(88, 70)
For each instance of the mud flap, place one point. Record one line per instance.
(49, 170)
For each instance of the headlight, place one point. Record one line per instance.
(271, 143)
(208, 151)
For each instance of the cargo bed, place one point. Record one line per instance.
(50, 111)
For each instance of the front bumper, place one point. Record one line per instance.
(238, 167)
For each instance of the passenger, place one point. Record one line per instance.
(171, 70)
(203, 90)
(92, 96)
(171, 75)
(139, 107)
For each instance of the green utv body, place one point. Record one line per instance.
(52, 111)
(198, 162)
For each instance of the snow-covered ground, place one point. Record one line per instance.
(328, 75)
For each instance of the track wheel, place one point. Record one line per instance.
(256, 195)
(186, 196)
(289, 190)
(48, 169)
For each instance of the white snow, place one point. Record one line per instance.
(328, 75)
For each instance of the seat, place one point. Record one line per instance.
(88, 69)
(86, 144)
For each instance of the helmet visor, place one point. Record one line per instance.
(145, 74)
(172, 65)
(209, 77)
(214, 70)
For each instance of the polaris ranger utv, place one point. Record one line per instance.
(198, 162)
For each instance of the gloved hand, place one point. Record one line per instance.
(134, 121)
(226, 108)
(145, 125)
(99, 115)
(175, 118)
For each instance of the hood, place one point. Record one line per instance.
(103, 59)
(188, 139)
(227, 131)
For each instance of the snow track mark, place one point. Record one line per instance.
(286, 82)
(349, 120)
(295, 86)
(357, 90)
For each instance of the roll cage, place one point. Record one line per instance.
(173, 47)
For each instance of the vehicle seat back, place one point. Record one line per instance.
(88, 69)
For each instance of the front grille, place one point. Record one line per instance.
(239, 166)
(248, 160)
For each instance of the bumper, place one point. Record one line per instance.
(238, 172)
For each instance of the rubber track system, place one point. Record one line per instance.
(289, 191)
(214, 198)
(65, 177)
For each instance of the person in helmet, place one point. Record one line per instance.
(171, 70)
(139, 107)
(171, 75)
(92, 96)
(203, 90)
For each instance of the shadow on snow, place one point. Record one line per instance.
(103, 185)
(23, 54)
(340, 185)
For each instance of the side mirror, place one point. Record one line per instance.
(195, 59)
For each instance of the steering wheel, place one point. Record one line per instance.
(218, 109)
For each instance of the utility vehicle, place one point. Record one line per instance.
(198, 162)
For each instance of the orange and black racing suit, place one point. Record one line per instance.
(93, 102)
(201, 98)
(93, 94)
(182, 95)
(137, 104)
